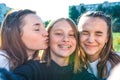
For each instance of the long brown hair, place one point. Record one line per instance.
(107, 53)
(11, 33)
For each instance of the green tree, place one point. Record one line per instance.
(46, 23)
(82, 9)
(3, 10)
(116, 25)
(116, 11)
(73, 13)
(99, 8)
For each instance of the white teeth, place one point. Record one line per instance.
(61, 46)
(69, 46)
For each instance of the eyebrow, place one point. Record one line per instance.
(99, 32)
(84, 31)
(37, 24)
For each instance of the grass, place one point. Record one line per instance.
(116, 41)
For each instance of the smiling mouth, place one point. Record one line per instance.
(62, 46)
(90, 45)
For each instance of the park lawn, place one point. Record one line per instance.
(116, 41)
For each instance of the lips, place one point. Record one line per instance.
(47, 40)
(90, 46)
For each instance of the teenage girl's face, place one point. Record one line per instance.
(93, 36)
(34, 35)
(62, 40)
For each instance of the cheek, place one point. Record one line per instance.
(74, 42)
(82, 38)
(31, 40)
(101, 41)
(52, 40)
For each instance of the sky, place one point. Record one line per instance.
(49, 9)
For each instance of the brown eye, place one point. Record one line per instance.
(98, 34)
(71, 35)
(84, 33)
(36, 29)
(58, 33)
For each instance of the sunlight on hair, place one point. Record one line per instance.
(40, 54)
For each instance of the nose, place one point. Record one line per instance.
(91, 38)
(65, 38)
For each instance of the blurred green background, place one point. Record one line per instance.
(116, 41)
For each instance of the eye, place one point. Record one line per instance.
(58, 33)
(84, 33)
(99, 33)
(37, 27)
(73, 35)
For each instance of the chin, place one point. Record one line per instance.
(90, 53)
(44, 48)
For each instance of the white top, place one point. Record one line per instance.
(92, 68)
(4, 62)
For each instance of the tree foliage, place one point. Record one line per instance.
(82, 9)
(112, 10)
(73, 13)
(116, 25)
(46, 23)
(3, 10)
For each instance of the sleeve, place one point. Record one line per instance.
(8, 75)
(25, 72)
(4, 62)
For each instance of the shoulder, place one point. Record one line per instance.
(3, 57)
(81, 75)
(114, 75)
(3, 53)
(26, 65)
(29, 70)
(26, 70)
(118, 53)
(29, 66)
(4, 62)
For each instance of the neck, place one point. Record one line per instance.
(92, 58)
(61, 61)
(30, 54)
